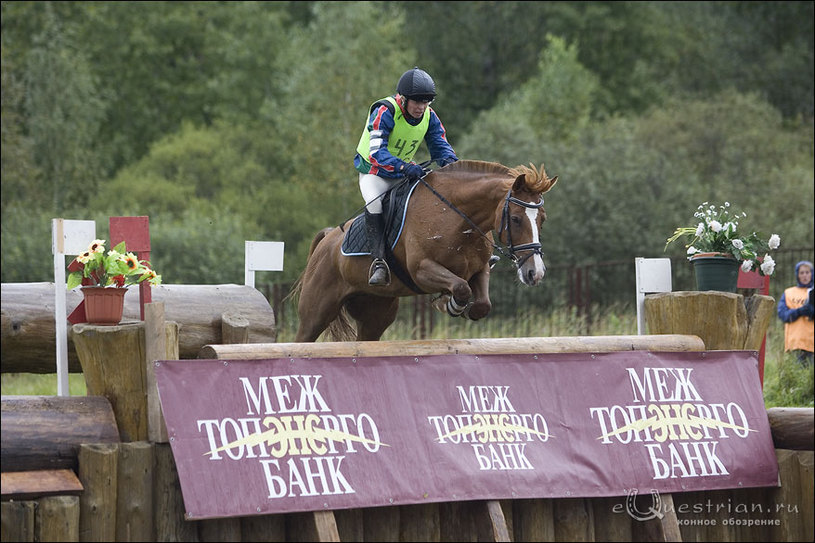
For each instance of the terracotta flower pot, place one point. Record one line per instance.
(104, 305)
(715, 271)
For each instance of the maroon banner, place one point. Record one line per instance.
(285, 435)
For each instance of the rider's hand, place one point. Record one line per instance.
(442, 162)
(414, 171)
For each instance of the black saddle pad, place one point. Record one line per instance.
(394, 205)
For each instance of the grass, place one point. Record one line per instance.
(786, 383)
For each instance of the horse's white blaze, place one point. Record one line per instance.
(536, 260)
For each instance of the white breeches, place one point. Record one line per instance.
(372, 188)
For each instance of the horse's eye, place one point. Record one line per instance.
(516, 220)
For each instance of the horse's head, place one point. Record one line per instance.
(519, 221)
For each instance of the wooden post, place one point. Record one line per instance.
(57, 519)
(17, 521)
(113, 362)
(160, 343)
(98, 469)
(168, 504)
(234, 328)
(134, 495)
(722, 319)
(135, 232)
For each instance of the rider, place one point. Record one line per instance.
(395, 128)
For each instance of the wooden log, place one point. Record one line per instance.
(234, 328)
(220, 529)
(350, 525)
(134, 495)
(806, 469)
(17, 520)
(57, 519)
(28, 485)
(45, 432)
(316, 526)
(611, 521)
(670, 342)
(98, 470)
(168, 503)
(792, 427)
(787, 498)
(722, 319)
(492, 525)
(28, 335)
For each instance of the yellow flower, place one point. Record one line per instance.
(131, 261)
(84, 257)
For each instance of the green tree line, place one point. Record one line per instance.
(233, 121)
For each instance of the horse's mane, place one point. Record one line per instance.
(536, 179)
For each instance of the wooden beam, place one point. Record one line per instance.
(792, 427)
(251, 351)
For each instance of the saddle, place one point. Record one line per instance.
(394, 205)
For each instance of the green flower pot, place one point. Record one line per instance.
(715, 271)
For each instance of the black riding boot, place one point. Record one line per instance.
(379, 274)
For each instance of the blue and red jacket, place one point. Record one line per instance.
(381, 122)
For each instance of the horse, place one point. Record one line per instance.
(446, 247)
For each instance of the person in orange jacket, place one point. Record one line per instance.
(795, 309)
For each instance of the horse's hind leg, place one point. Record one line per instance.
(317, 308)
(373, 315)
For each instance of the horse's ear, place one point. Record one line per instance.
(551, 184)
(520, 182)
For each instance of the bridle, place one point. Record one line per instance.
(534, 248)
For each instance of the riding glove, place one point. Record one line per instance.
(414, 171)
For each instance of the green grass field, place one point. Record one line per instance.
(786, 383)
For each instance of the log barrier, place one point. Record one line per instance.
(204, 314)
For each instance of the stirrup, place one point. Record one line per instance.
(375, 277)
(494, 260)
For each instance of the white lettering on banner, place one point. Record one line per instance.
(297, 452)
(489, 422)
(677, 433)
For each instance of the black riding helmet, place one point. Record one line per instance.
(416, 85)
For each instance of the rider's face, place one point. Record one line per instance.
(416, 109)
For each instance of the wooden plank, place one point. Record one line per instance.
(26, 485)
(806, 459)
(418, 522)
(252, 351)
(611, 521)
(220, 529)
(316, 526)
(17, 520)
(57, 519)
(44, 432)
(134, 495)
(533, 520)
(263, 528)
(496, 524)
(573, 520)
(350, 525)
(380, 523)
(98, 471)
(168, 503)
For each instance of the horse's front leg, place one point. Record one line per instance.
(433, 277)
(480, 285)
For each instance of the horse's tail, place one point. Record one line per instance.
(340, 329)
(294, 293)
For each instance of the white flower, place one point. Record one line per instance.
(700, 228)
(738, 244)
(768, 265)
(775, 241)
(746, 266)
(716, 226)
(692, 250)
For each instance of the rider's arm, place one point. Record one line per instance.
(436, 139)
(383, 163)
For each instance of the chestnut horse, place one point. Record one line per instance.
(445, 246)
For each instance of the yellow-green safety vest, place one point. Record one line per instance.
(404, 139)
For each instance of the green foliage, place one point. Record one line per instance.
(788, 383)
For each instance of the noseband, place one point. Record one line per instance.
(533, 248)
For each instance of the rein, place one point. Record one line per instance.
(535, 248)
